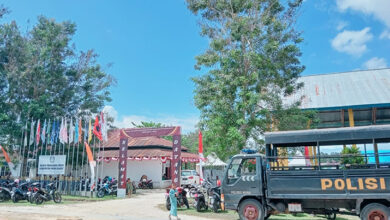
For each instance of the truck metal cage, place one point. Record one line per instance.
(318, 138)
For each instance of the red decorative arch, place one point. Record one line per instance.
(124, 136)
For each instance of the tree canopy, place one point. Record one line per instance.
(43, 75)
(251, 63)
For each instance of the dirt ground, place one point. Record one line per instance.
(143, 206)
(147, 205)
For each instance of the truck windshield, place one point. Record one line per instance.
(240, 167)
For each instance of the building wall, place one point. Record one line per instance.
(135, 169)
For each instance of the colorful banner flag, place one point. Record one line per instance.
(43, 135)
(86, 132)
(25, 135)
(9, 162)
(31, 142)
(71, 131)
(53, 133)
(201, 157)
(38, 133)
(97, 129)
(61, 137)
(92, 163)
(90, 131)
(76, 133)
(80, 130)
(200, 145)
(65, 132)
(57, 132)
(104, 126)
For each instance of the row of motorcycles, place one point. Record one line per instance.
(109, 186)
(32, 192)
(199, 193)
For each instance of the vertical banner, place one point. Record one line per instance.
(176, 160)
(122, 160)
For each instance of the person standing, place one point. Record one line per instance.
(173, 200)
(129, 187)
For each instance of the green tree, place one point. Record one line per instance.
(349, 157)
(148, 124)
(42, 75)
(252, 62)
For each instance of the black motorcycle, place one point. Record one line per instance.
(145, 184)
(181, 199)
(215, 198)
(20, 193)
(5, 191)
(200, 200)
(50, 193)
(107, 189)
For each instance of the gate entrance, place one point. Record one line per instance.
(124, 136)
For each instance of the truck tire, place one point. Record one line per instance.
(375, 211)
(251, 209)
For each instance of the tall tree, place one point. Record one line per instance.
(251, 63)
(42, 75)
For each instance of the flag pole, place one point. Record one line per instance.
(20, 152)
(82, 157)
(78, 149)
(28, 147)
(93, 155)
(23, 149)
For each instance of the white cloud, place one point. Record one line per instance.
(352, 42)
(385, 34)
(380, 9)
(341, 25)
(375, 63)
(125, 121)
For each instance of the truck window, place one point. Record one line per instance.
(241, 167)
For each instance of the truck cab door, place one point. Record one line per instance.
(242, 178)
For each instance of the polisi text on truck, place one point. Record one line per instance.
(353, 183)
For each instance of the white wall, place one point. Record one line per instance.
(135, 169)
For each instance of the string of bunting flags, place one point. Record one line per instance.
(140, 158)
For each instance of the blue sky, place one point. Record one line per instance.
(152, 45)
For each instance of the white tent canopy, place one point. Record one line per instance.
(212, 160)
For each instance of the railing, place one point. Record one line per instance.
(322, 162)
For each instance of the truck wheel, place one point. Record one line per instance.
(375, 211)
(251, 209)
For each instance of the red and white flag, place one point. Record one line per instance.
(201, 146)
(307, 156)
(38, 133)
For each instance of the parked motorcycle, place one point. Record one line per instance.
(107, 189)
(20, 193)
(215, 198)
(48, 194)
(5, 191)
(200, 201)
(145, 184)
(181, 199)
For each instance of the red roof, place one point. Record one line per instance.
(142, 147)
(113, 141)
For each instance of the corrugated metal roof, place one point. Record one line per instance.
(348, 89)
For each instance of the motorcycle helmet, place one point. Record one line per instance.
(179, 189)
(28, 180)
(16, 181)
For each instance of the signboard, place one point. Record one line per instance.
(51, 165)
(122, 162)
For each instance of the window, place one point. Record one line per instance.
(241, 167)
